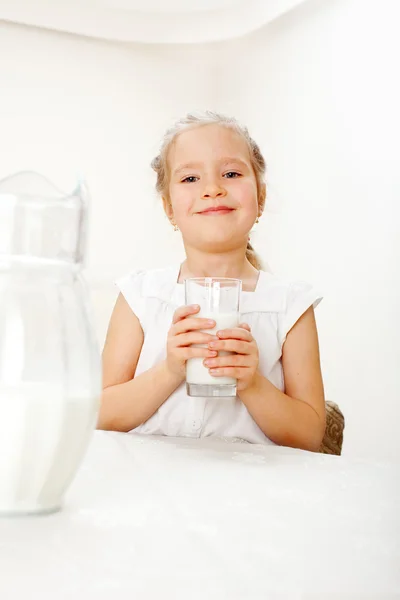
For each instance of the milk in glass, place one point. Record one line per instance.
(219, 300)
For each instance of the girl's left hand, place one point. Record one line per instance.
(243, 364)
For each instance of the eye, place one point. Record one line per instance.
(232, 175)
(190, 179)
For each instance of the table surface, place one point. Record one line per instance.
(150, 517)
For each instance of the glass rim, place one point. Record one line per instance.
(212, 279)
(77, 189)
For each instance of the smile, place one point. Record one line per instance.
(216, 211)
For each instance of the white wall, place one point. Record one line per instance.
(68, 103)
(318, 89)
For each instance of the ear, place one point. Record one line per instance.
(261, 199)
(168, 208)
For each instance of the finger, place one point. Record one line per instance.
(192, 337)
(233, 360)
(186, 353)
(245, 326)
(191, 324)
(184, 311)
(231, 346)
(235, 372)
(237, 334)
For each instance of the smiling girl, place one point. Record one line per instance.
(211, 177)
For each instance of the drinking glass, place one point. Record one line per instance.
(219, 300)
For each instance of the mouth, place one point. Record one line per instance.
(216, 211)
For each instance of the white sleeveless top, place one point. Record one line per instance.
(271, 311)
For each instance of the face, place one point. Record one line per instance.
(213, 195)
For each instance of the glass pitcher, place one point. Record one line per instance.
(50, 376)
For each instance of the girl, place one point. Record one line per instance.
(210, 174)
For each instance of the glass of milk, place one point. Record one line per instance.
(219, 300)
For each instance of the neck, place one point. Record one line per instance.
(227, 264)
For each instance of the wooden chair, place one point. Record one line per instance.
(333, 438)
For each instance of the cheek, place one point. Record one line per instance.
(246, 195)
(181, 201)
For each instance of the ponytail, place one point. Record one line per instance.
(252, 257)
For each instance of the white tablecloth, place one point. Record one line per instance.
(152, 517)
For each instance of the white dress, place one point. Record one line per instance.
(271, 311)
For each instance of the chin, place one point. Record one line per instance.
(219, 244)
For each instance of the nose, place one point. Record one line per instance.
(213, 189)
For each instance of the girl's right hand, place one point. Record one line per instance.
(183, 333)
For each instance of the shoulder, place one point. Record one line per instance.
(140, 287)
(279, 294)
(145, 281)
(292, 292)
(288, 298)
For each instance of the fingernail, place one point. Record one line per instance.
(195, 306)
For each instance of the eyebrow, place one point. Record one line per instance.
(224, 161)
(186, 166)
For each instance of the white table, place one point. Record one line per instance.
(151, 517)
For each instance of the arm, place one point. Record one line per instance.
(127, 401)
(295, 418)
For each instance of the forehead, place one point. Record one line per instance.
(208, 142)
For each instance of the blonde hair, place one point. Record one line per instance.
(191, 121)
